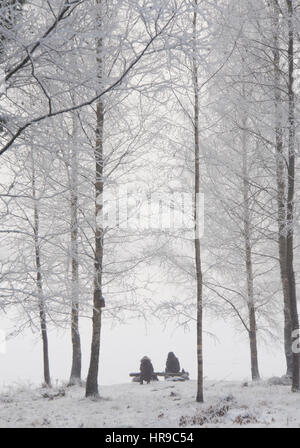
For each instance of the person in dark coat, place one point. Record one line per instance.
(172, 364)
(146, 370)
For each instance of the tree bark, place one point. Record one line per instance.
(75, 377)
(39, 284)
(281, 197)
(290, 194)
(92, 379)
(248, 262)
(199, 280)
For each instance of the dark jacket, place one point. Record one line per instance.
(146, 369)
(172, 364)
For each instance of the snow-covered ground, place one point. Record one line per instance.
(162, 404)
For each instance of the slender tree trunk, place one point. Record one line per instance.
(281, 197)
(39, 284)
(199, 281)
(75, 377)
(248, 263)
(290, 195)
(92, 379)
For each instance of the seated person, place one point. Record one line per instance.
(146, 369)
(172, 364)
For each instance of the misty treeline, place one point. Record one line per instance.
(100, 98)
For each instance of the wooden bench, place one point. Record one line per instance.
(136, 375)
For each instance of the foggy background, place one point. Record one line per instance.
(226, 355)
